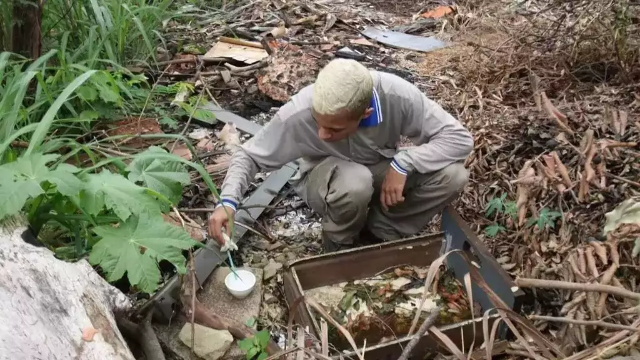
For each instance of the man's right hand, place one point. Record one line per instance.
(218, 220)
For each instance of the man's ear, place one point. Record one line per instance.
(367, 113)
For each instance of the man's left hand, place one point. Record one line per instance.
(392, 187)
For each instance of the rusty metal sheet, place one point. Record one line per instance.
(458, 235)
(404, 41)
(167, 298)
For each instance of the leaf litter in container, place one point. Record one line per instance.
(381, 308)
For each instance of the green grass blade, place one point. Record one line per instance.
(23, 130)
(143, 32)
(49, 116)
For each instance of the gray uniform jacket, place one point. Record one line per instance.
(400, 108)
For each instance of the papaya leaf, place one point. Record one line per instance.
(118, 194)
(165, 177)
(136, 246)
(22, 179)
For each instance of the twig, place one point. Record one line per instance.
(601, 324)
(565, 285)
(431, 319)
(236, 69)
(630, 182)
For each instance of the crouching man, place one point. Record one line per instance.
(345, 129)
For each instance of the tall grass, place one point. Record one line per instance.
(118, 31)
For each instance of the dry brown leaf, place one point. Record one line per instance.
(182, 150)
(329, 22)
(527, 172)
(588, 168)
(438, 12)
(567, 307)
(591, 262)
(615, 255)
(586, 141)
(559, 117)
(205, 145)
(88, 333)
(582, 261)
(362, 41)
(600, 250)
(562, 170)
(624, 119)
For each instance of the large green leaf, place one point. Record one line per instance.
(136, 247)
(118, 194)
(162, 176)
(22, 179)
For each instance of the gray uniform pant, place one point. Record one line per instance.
(347, 196)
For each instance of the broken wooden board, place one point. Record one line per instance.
(207, 260)
(404, 41)
(244, 53)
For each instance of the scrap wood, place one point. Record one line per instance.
(246, 52)
(240, 42)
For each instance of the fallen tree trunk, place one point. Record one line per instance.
(52, 309)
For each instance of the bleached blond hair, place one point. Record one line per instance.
(342, 85)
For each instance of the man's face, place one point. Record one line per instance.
(332, 128)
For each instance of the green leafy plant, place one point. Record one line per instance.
(113, 212)
(493, 230)
(497, 207)
(546, 217)
(255, 345)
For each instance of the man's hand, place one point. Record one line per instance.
(218, 220)
(392, 187)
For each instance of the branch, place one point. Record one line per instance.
(565, 285)
(143, 334)
(602, 324)
(431, 319)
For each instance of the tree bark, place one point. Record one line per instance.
(27, 31)
(52, 309)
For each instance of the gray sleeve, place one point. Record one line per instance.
(271, 148)
(440, 139)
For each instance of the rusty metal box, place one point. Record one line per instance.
(360, 263)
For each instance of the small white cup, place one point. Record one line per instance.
(240, 288)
